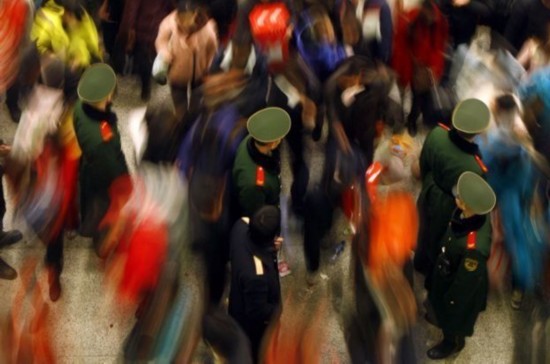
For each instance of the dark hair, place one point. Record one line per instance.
(74, 7)
(189, 5)
(265, 224)
(506, 102)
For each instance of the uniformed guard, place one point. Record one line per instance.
(255, 294)
(446, 154)
(256, 170)
(98, 136)
(460, 281)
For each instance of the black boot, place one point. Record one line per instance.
(9, 237)
(6, 272)
(450, 345)
(412, 128)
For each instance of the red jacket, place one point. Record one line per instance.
(428, 49)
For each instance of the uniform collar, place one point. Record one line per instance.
(461, 226)
(463, 144)
(270, 163)
(99, 115)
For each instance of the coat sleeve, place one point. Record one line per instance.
(469, 278)
(212, 45)
(256, 303)
(162, 43)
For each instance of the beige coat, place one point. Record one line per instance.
(177, 49)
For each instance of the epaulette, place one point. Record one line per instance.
(105, 131)
(481, 164)
(260, 176)
(443, 126)
(471, 240)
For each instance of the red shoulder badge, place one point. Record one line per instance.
(471, 240)
(106, 131)
(260, 176)
(443, 126)
(481, 164)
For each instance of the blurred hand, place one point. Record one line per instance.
(309, 111)
(278, 242)
(4, 150)
(459, 3)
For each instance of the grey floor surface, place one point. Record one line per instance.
(90, 328)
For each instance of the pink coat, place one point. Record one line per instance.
(177, 49)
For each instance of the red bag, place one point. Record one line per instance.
(269, 25)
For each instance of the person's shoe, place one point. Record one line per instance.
(517, 299)
(7, 272)
(10, 237)
(55, 284)
(430, 318)
(446, 348)
(412, 128)
(145, 93)
(311, 278)
(15, 114)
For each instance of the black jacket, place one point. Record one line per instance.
(255, 293)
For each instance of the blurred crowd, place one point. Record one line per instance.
(433, 118)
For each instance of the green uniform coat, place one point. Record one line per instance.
(251, 192)
(102, 162)
(458, 297)
(444, 157)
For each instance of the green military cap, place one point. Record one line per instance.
(476, 193)
(471, 116)
(96, 83)
(269, 124)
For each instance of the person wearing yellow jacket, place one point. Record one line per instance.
(64, 28)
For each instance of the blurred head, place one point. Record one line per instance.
(74, 11)
(52, 72)
(427, 12)
(190, 16)
(265, 225)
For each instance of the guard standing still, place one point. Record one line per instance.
(446, 154)
(460, 281)
(256, 170)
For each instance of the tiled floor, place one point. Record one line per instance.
(89, 327)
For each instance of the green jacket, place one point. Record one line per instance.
(251, 190)
(460, 294)
(444, 157)
(102, 160)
